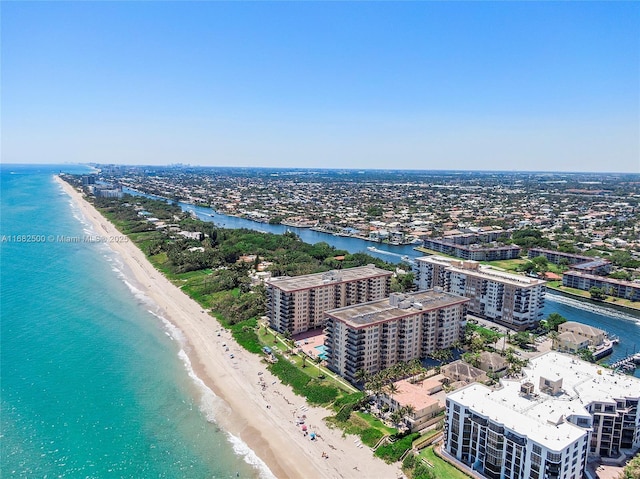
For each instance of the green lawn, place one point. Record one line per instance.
(507, 264)
(426, 436)
(312, 369)
(424, 250)
(376, 423)
(441, 468)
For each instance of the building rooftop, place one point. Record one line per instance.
(306, 281)
(585, 329)
(541, 416)
(394, 307)
(492, 361)
(583, 381)
(416, 395)
(570, 337)
(460, 371)
(590, 265)
(486, 272)
(604, 279)
(523, 416)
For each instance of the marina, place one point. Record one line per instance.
(628, 364)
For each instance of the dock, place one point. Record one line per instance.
(628, 364)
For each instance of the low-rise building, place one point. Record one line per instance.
(297, 304)
(594, 336)
(510, 299)
(195, 235)
(570, 342)
(612, 287)
(491, 362)
(376, 335)
(475, 252)
(459, 373)
(419, 397)
(586, 264)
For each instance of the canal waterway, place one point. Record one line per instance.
(624, 324)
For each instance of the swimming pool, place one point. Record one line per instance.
(322, 352)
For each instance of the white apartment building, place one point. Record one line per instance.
(514, 300)
(545, 425)
(376, 335)
(297, 304)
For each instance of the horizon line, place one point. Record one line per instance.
(312, 168)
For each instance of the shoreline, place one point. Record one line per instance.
(264, 419)
(420, 249)
(624, 308)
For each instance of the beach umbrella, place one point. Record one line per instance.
(304, 428)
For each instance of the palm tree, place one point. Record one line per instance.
(396, 417)
(391, 389)
(472, 358)
(362, 376)
(409, 410)
(376, 387)
(553, 336)
(416, 366)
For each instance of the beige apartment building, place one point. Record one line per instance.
(376, 335)
(510, 299)
(297, 303)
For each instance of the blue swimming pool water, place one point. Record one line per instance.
(322, 351)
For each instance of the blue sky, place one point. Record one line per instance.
(416, 85)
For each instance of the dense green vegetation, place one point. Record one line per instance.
(529, 238)
(632, 469)
(215, 270)
(316, 391)
(553, 321)
(393, 451)
(433, 468)
(369, 429)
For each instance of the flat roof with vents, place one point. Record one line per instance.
(308, 281)
(395, 307)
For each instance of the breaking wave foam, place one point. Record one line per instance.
(250, 457)
(211, 406)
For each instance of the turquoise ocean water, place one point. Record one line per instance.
(92, 383)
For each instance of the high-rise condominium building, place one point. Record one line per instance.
(376, 335)
(545, 425)
(514, 300)
(297, 303)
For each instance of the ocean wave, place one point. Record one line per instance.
(138, 294)
(212, 406)
(240, 448)
(594, 308)
(172, 330)
(77, 213)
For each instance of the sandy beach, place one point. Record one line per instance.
(264, 417)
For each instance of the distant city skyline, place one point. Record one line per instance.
(495, 86)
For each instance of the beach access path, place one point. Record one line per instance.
(256, 406)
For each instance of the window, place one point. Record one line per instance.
(554, 457)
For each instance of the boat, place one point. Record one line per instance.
(407, 259)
